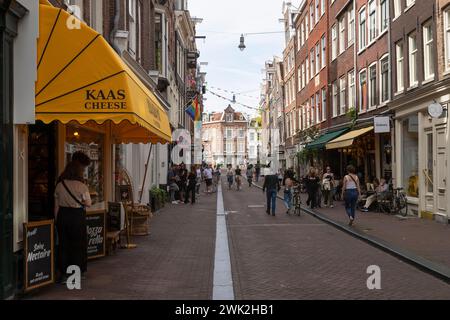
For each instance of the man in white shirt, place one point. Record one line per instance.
(207, 173)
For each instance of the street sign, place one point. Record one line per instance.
(381, 125)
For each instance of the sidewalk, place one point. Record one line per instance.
(426, 239)
(176, 261)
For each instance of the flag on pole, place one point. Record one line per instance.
(193, 110)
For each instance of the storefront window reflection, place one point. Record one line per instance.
(91, 143)
(410, 156)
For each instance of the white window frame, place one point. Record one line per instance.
(307, 69)
(311, 15)
(361, 102)
(323, 4)
(342, 46)
(384, 24)
(303, 75)
(318, 113)
(351, 89)
(317, 11)
(410, 3)
(334, 98)
(342, 94)
(372, 21)
(299, 79)
(313, 109)
(412, 60)
(428, 52)
(334, 42)
(369, 87)
(388, 79)
(324, 103)
(447, 39)
(306, 26)
(362, 34)
(323, 57)
(311, 60)
(318, 66)
(399, 67)
(302, 34)
(397, 8)
(132, 41)
(351, 26)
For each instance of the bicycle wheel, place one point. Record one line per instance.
(402, 205)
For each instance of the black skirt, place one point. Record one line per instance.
(72, 237)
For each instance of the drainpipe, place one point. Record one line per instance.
(115, 26)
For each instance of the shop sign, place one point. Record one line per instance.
(39, 254)
(105, 100)
(115, 216)
(381, 125)
(96, 234)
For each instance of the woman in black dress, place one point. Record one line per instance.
(312, 186)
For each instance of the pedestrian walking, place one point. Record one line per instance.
(319, 188)
(327, 187)
(351, 191)
(271, 186)
(208, 178)
(183, 173)
(257, 171)
(216, 178)
(72, 197)
(238, 178)
(230, 177)
(288, 184)
(190, 187)
(199, 180)
(249, 173)
(312, 185)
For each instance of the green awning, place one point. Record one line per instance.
(321, 141)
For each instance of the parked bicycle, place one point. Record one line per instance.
(394, 202)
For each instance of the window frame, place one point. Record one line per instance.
(318, 60)
(342, 95)
(412, 67)
(447, 39)
(361, 98)
(334, 99)
(324, 103)
(351, 26)
(334, 42)
(427, 54)
(362, 44)
(341, 41)
(388, 79)
(323, 57)
(372, 92)
(399, 61)
(384, 27)
(372, 21)
(351, 88)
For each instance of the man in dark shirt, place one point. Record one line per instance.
(271, 187)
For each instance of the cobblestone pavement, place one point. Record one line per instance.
(289, 257)
(175, 262)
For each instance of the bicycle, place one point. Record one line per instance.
(395, 202)
(296, 200)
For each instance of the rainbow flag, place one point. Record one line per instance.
(193, 110)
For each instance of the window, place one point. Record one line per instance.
(384, 15)
(303, 117)
(302, 34)
(399, 66)
(317, 57)
(341, 35)
(160, 42)
(303, 75)
(384, 72)
(307, 70)
(308, 119)
(333, 42)
(324, 104)
(241, 147)
(132, 27)
(447, 38)
(318, 114)
(313, 108)
(372, 20)
(409, 3)
(324, 55)
(97, 15)
(311, 14)
(351, 26)
(229, 133)
(362, 29)
(322, 7)
(241, 133)
(252, 136)
(362, 90)
(428, 57)
(412, 60)
(229, 147)
(397, 8)
(298, 40)
(229, 117)
(335, 99)
(299, 79)
(317, 10)
(373, 97)
(311, 57)
(306, 26)
(342, 88)
(429, 162)
(410, 155)
(351, 89)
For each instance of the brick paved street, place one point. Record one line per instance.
(282, 257)
(287, 257)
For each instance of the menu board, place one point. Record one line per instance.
(39, 254)
(115, 217)
(96, 234)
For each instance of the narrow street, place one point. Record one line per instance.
(281, 257)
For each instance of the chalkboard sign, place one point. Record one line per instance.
(114, 216)
(39, 254)
(96, 234)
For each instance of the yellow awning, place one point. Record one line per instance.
(346, 140)
(81, 78)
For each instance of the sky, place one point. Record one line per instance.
(228, 68)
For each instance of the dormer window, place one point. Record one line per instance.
(229, 117)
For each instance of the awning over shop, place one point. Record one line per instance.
(346, 140)
(81, 78)
(320, 142)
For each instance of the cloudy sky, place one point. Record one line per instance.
(229, 68)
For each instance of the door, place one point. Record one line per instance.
(441, 171)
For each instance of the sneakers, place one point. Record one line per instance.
(364, 209)
(174, 202)
(331, 206)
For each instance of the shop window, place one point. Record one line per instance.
(410, 156)
(91, 143)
